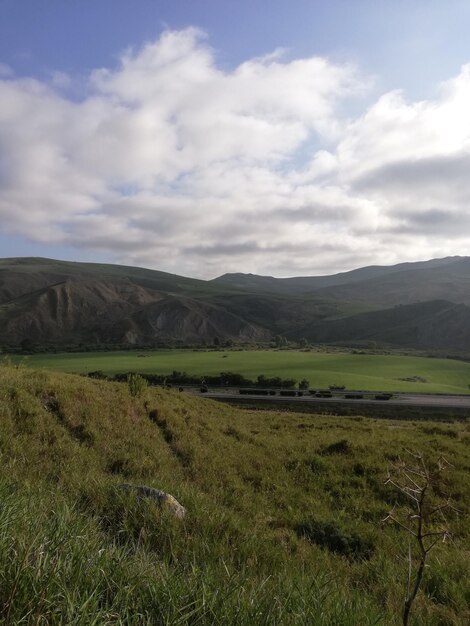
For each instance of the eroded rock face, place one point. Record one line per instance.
(161, 498)
(67, 304)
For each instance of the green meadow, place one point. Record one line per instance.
(355, 371)
(284, 512)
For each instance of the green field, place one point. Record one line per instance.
(355, 371)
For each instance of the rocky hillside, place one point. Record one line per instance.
(91, 311)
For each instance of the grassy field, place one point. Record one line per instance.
(74, 549)
(355, 371)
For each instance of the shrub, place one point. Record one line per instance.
(137, 385)
(338, 447)
(98, 375)
(336, 539)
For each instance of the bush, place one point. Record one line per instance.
(137, 385)
(336, 539)
(338, 447)
(97, 375)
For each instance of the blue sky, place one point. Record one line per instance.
(409, 45)
(73, 99)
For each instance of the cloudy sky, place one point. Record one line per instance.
(210, 136)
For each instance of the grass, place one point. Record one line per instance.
(355, 371)
(283, 520)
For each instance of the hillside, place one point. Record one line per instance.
(450, 281)
(47, 303)
(56, 302)
(308, 284)
(20, 276)
(79, 311)
(430, 325)
(76, 549)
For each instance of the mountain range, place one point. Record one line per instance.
(423, 305)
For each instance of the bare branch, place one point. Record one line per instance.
(407, 528)
(417, 483)
(437, 533)
(431, 546)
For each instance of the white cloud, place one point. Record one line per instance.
(171, 162)
(412, 160)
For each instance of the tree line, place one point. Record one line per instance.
(224, 379)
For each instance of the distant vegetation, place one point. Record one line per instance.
(283, 521)
(224, 379)
(355, 371)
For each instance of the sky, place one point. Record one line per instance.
(208, 136)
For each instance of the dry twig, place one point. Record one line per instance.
(423, 519)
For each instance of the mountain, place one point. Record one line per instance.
(449, 281)
(66, 303)
(434, 325)
(309, 284)
(60, 303)
(20, 276)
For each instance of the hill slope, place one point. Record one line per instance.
(428, 325)
(76, 549)
(46, 302)
(309, 284)
(450, 281)
(79, 311)
(61, 303)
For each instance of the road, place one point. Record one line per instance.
(398, 399)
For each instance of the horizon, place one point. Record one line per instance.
(225, 138)
(39, 258)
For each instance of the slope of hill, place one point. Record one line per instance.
(59, 302)
(46, 302)
(20, 276)
(308, 284)
(76, 549)
(450, 281)
(91, 311)
(435, 324)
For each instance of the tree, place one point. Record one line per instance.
(304, 384)
(423, 518)
(280, 341)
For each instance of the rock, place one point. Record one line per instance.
(161, 498)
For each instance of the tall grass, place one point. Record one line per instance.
(76, 549)
(61, 567)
